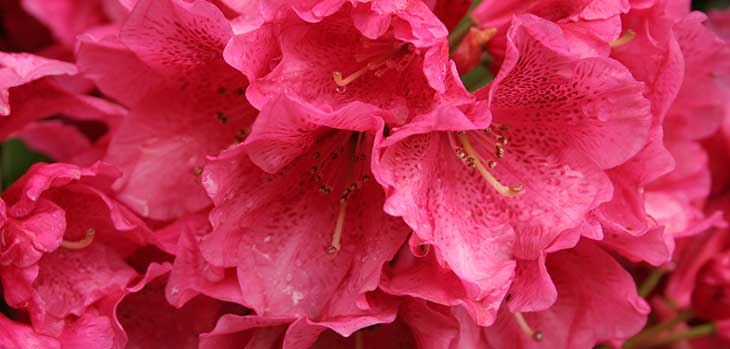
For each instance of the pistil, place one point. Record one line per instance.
(80, 244)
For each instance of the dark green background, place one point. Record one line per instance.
(710, 4)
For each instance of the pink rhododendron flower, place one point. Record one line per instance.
(589, 25)
(657, 200)
(311, 202)
(364, 174)
(64, 243)
(205, 110)
(396, 61)
(487, 194)
(581, 275)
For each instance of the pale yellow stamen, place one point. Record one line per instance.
(525, 327)
(342, 82)
(337, 236)
(336, 244)
(83, 243)
(511, 191)
(373, 65)
(624, 39)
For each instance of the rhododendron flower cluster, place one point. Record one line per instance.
(364, 174)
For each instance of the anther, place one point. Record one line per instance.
(221, 90)
(317, 155)
(470, 162)
(624, 39)
(499, 151)
(197, 170)
(512, 190)
(492, 164)
(538, 336)
(240, 91)
(83, 243)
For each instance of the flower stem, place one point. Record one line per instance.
(690, 333)
(461, 29)
(651, 282)
(654, 331)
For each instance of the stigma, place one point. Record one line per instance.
(473, 159)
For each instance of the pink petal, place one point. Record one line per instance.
(16, 335)
(162, 147)
(67, 18)
(17, 69)
(597, 302)
(264, 223)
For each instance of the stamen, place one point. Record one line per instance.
(334, 247)
(350, 78)
(379, 66)
(352, 172)
(624, 39)
(83, 243)
(537, 336)
(511, 191)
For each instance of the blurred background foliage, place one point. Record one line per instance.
(704, 5)
(16, 158)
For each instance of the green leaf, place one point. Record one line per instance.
(480, 75)
(15, 159)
